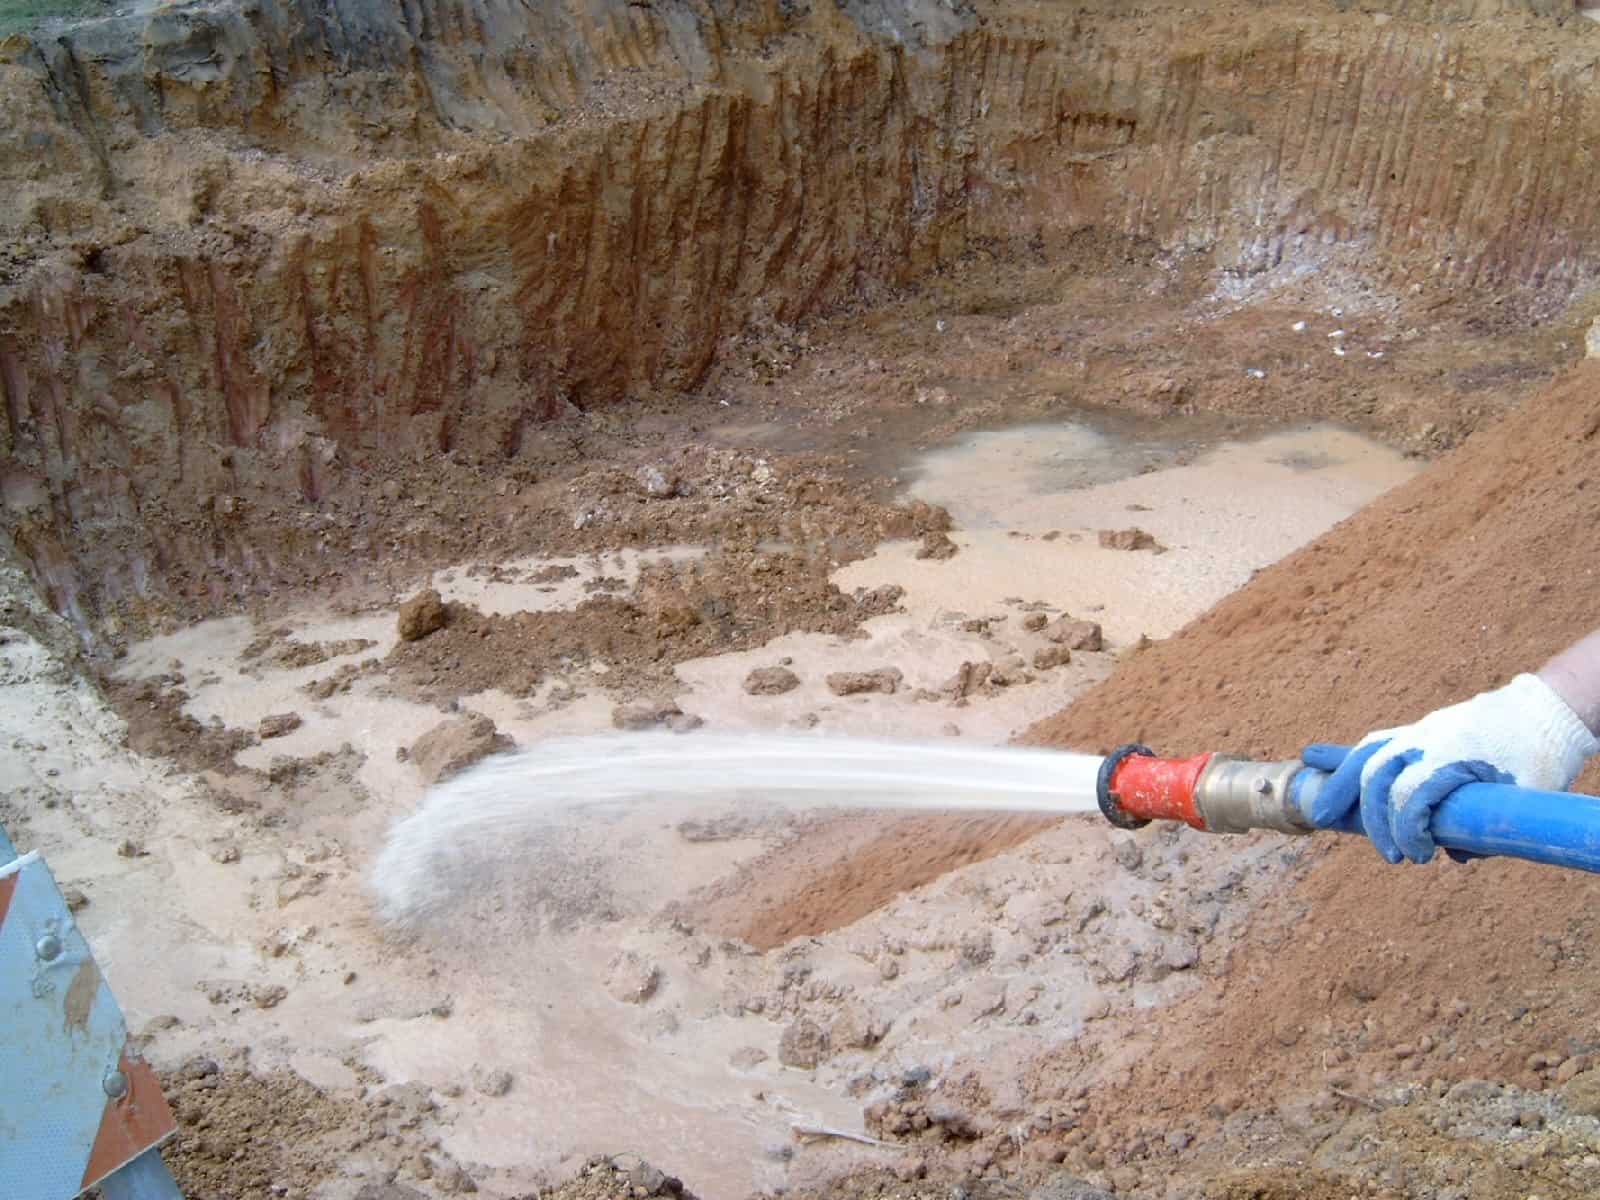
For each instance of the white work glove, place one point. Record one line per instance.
(1523, 733)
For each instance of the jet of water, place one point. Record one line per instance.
(509, 798)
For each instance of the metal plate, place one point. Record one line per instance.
(75, 1104)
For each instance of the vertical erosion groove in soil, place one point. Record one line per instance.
(617, 325)
(268, 253)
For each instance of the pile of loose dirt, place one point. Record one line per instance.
(1363, 976)
(245, 1136)
(726, 601)
(1445, 587)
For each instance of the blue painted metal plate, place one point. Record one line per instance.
(74, 1104)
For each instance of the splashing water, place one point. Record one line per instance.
(503, 805)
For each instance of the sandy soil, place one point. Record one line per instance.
(262, 847)
(671, 343)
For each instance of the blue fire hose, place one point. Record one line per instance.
(1219, 794)
(1559, 828)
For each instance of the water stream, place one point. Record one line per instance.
(510, 799)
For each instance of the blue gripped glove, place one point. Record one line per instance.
(1523, 733)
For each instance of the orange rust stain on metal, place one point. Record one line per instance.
(80, 996)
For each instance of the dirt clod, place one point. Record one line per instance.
(421, 615)
(1075, 635)
(803, 1045)
(639, 715)
(496, 1082)
(1129, 539)
(632, 979)
(770, 681)
(883, 680)
(278, 725)
(454, 744)
(1048, 658)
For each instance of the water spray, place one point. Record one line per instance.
(500, 810)
(1216, 793)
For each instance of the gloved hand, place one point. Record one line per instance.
(1523, 733)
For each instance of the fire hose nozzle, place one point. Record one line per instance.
(1219, 794)
(1211, 792)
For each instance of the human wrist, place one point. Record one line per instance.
(1574, 675)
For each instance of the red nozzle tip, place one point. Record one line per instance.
(1159, 789)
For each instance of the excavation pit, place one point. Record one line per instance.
(677, 343)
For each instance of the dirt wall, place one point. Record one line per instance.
(251, 246)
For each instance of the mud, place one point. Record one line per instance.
(648, 336)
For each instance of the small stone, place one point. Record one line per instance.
(1571, 1068)
(1181, 954)
(1048, 658)
(1128, 854)
(969, 677)
(803, 1045)
(645, 1180)
(1034, 622)
(198, 1067)
(129, 848)
(270, 995)
(770, 681)
(631, 979)
(884, 680)
(855, 1029)
(448, 1176)
(421, 615)
(453, 745)
(1130, 539)
(1010, 671)
(226, 854)
(75, 898)
(911, 1169)
(1591, 340)
(747, 1058)
(492, 1083)
(656, 483)
(278, 725)
(937, 546)
(1075, 635)
(640, 715)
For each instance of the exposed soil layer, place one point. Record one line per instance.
(307, 299)
(289, 269)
